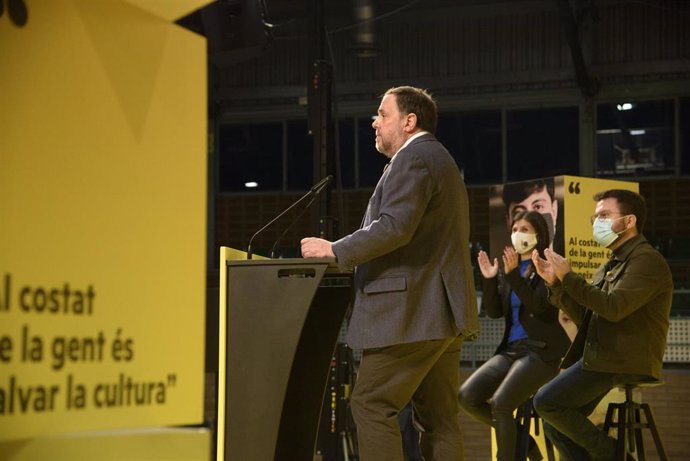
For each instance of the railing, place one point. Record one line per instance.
(491, 333)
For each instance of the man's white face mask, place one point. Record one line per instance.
(603, 233)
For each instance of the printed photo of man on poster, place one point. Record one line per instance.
(542, 195)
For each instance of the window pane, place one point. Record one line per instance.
(371, 162)
(685, 135)
(635, 138)
(542, 143)
(250, 153)
(300, 156)
(347, 152)
(474, 140)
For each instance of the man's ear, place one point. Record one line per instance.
(410, 123)
(633, 220)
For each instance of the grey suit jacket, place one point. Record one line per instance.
(413, 277)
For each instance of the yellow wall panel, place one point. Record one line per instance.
(103, 215)
(144, 444)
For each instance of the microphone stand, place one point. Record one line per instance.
(313, 192)
(282, 234)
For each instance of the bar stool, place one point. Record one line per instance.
(629, 425)
(524, 417)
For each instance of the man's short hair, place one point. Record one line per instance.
(416, 101)
(518, 191)
(629, 202)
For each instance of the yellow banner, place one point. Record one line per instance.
(584, 254)
(103, 217)
(567, 203)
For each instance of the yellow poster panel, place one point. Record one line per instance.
(566, 202)
(103, 217)
(584, 254)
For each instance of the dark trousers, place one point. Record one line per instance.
(426, 373)
(409, 434)
(565, 404)
(499, 386)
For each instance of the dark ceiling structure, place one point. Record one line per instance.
(240, 30)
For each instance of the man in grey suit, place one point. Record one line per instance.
(415, 299)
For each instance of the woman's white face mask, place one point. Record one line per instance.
(523, 242)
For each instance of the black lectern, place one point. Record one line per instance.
(279, 324)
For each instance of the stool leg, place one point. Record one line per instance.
(608, 420)
(539, 429)
(620, 426)
(527, 424)
(630, 414)
(550, 454)
(522, 440)
(639, 442)
(661, 451)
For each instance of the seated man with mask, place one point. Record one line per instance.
(623, 320)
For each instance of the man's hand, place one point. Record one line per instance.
(313, 247)
(544, 268)
(560, 265)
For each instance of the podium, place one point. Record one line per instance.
(279, 322)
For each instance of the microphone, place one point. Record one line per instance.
(312, 193)
(282, 234)
(316, 189)
(319, 186)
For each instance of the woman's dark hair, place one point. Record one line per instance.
(539, 223)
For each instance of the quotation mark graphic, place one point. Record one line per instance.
(16, 10)
(574, 188)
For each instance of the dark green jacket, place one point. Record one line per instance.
(630, 307)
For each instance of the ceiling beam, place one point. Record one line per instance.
(588, 84)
